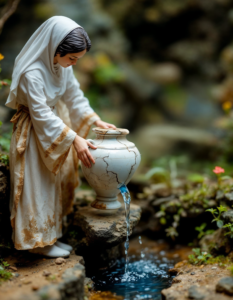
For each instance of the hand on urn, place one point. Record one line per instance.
(81, 147)
(104, 125)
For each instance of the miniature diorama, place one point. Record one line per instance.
(116, 178)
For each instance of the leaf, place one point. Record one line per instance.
(220, 223)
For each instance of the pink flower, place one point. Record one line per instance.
(218, 170)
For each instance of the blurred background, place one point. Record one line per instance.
(161, 68)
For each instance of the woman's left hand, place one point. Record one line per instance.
(104, 125)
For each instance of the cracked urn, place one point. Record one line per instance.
(116, 160)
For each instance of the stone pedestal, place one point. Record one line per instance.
(103, 234)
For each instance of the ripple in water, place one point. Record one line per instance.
(146, 276)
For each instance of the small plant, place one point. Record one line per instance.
(172, 232)
(217, 214)
(198, 257)
(230, 269)
(201, 231)
(229, 226)
(4, 274)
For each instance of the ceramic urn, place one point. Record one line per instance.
(116, 160)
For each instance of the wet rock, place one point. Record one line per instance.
(173, 271)
(195, 293)
(60, 261)
(225, 285)
(107, 229)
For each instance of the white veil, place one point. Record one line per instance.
(38, 53)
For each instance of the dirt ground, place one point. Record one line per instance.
(31, 272)
(204, 277)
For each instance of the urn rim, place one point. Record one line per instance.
(111, 131)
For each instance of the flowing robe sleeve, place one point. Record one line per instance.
(81, 114)
(54, 138)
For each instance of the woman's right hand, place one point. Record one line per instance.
(81, 146)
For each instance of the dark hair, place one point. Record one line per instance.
(76, 41)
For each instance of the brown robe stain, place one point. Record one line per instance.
(59, 162)
(57, 142)
(84, 121)
(29, 232)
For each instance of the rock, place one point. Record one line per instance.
(60, 261)
(225, 285)
(227, 216)
(35, 287)
(193, 273)
(160, 201)
(176, 280)
(108, 229)
(214, 268)
(180, 263)
(216, 243)
(220, 195)
(46, 273)
(13, 268)
(195, 293)
(88, 283)
(173, 271)
(165, 73)
(229, 196)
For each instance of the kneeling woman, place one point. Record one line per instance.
(41, 153)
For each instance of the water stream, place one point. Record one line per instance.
(126, 196)
(139, 276)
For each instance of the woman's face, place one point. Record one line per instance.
(69, 59)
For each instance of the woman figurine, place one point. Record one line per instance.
(42, 145)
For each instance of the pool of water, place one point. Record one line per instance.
(146, 276)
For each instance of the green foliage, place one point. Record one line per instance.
(171, 232)
(231, 269)
(198, 257)
(196, 178)
(201, 231)
(108, 73)
(159, 174)
(4, 274)
(229, 228)
(217, 214)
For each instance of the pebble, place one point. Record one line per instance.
(214, 268)
(35, 287)
(46, 273)
(13, 268)
(193, 273)
(60, 261)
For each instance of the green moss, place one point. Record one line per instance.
(203, 258)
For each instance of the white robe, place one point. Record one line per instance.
(40, 146)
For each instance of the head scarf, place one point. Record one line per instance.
(38, 53)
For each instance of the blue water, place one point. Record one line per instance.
(126, 196)
(146, 276)
(135, 277)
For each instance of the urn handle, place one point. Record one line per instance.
(91, 141)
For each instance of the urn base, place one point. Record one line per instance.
(106, 204)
